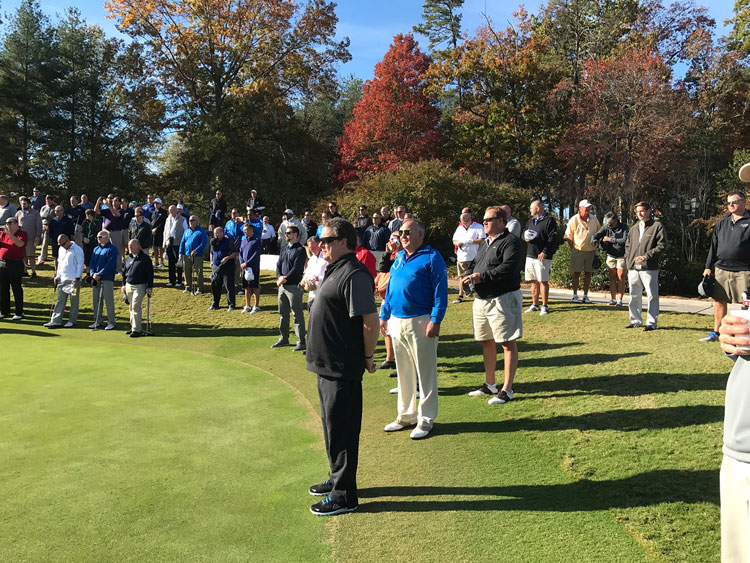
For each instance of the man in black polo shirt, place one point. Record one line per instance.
(289, 271)
(137, 282)
(343, 335)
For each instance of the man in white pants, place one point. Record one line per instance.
(68, 280)
(647, 240)
(412, 310)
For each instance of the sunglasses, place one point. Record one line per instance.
(488, 219)
(404, 233)
(735, 202)
(101, 236)
(329, 240)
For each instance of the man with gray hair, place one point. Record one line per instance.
(137, 282)
(30, 221)
(466, 240)
(7, 209)
(102, 269)
(68, 281)
(541, 243)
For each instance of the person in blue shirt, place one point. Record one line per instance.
(412, 310)
(223, 257)
(233, 228)
(250, 250)
(192, 245)
(102, 270)
(255, 222)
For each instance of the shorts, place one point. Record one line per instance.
(581, 261)
(614, 263)
(254, 284)
(462, 268)
(498, 318)
(730, 285)
(158, 239)
(537, 270)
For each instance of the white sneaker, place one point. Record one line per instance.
(532, 309)
(255, 310)
(93, 326)
(485, 389)
(394, 391)
(394, 426)
(178, 285)
(51, 325)
(17, 317)
(110, 326)
(575, 299)
(246, 309)
(168, 284)
(418, 433)
(197, 292)
(501, 398)
(619, 303)
(612, 302)
(545, 310)
(586, 299)
(69, 325)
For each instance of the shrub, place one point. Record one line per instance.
(560, 269)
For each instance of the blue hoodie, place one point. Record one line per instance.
(194, 240)
(103, 261)
(418, 286)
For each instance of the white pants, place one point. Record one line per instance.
(735, 511)
(416, 360)
(638, 280)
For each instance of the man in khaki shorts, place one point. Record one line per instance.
(469, 234)
(729, 257)
(581, 228)
(496, 273)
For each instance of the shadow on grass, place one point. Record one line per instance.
(554, 361)
(200, 331)
(11, 329)
(645, 489)
(624, 420)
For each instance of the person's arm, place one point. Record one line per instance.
(17, 241)
(623, 238)
(181, 250)
(660, 237)
(712, 251)
(439, 274)
(599, 234)
(98, 206)
(370, 335)
(203, 243)
(570, 233)
(550, 247)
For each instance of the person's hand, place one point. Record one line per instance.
(639, 259)
(542, 256)
(707, 273)
(432, 330)
(153, 231)
(76, 283)
(193, 253)
(471, 277)
(224, 260)
(607, 239)
(123, 290)
(150, 291)
(733, 332)
(243, 265)
(97, 277)
(56, 280)
(384, 327)
(370, 365)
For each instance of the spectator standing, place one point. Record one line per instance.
(103, 266)
(91, 227)
(7, 209)
(466, 239)
(385, 215)
(395, 223)
(541, 244)
(137, 282)
(255, 203)
(496, 274)
(311, 227)
(612, 238)
(37, 200)
(194, 241)
(647, 240)
(12, 252)
(285, 224)
(268, 237)
(512, 224)
(250, 250)
(174, 229)
(60, 224)
(362, 222)
(46, 213)
(158, 221)
(289, 271)
(366, 257)
(116, 223)
(140, 229)
(85, 203)
(30, 222)
(68, 281)
(333, 209)
(728, 259)
(413, 308)
(223, 256)
(233, 230)
(315, 270)
(148, 207)
(343, 335)
(324, 217)
(217, 210)
(255, 222)
(77, 215)
(377, 236)
(579, 234)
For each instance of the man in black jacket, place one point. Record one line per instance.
(496, 275)
(217, 210)
(343, 336)
(58, 225)
(289, 271)
(612, 237)
(137, 282)
(542, 242)
(140, 229)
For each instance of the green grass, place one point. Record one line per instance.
(199, 445)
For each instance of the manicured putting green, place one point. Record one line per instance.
(118, 453)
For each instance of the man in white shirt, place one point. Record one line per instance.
(314, 271)
(268, 236)
(68, 280)
(466, 239)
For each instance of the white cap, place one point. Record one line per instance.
(253, 191)
(745, 173)
(289, 212)
(157, 200)
(179, 206)
(584, 203)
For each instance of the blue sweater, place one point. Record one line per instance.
(194, 240)
(103, 261)
(418, 286)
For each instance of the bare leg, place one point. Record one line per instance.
(576, 279)
(489, 351)
(720, 311)
(256, 295)
(248, 291)
(620, 284)
(389, 357)
(586, 282)
(545, 293)
(535, 292)
(510, 354)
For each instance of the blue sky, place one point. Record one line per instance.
(371, 25)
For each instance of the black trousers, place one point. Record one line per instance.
(175, 273)
(341, 414)
(10, 277)
(224, 277)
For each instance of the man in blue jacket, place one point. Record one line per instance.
(193, 243)
(412, 310)
(102, 269)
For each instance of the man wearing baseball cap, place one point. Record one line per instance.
(255, 203)
(581, 228)
(541, 243)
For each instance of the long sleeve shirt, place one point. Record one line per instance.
(139, 270)
(69, 263)
(103, 261)
(418, 286)
(498, 263)
(194, 240)
(730, 244)
(291, 263)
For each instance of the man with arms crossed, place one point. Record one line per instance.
(496, 274)
(541, 238)
(343, 336)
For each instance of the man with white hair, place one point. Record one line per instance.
(579, 234)
(7, 209)
(541, 243)
(137, 282)
(68, 281)
(102, 269)
(466, 240)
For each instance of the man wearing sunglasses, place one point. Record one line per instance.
(412, 310)
(289, 271)
(104, 262)
(729, 258)
(343, 336)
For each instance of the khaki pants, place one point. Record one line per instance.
(189, 263)
(135, 294)
(416, 360)
(734, 486)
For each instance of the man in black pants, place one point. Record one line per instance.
(223, 253)
(343, 335)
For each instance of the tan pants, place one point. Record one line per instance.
(416, 360)
(135, 294)
(190, 262)
(735, 511)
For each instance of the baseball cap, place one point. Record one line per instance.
(253, 191)
(180, 206)
(584, 203)
(157, 200)
(289, 212)
(745, 173)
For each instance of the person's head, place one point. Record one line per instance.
(333, 207)
(25, 203)
(289, 213)
(325, 216)
(408, 216)
(139, 214)
(134, 247)
(466, 210)
(247, 228)
(508, 212)
(48, 199)
(103, 237)
(235, 214)
(291, 234)
(536, 208)
(172, 210)
(736, 203)
(307, 217)
(265, 219)
(84, 198)
(384, 211)
(252, 214)
(218, 194)
(59, 211)
(150, 198)
(3, 200)
(11, 225)
(90, 215)
(253, 193)
(376, 219)
(400, 211)
(363, 210)
(494, 221)
(411, 234)
(313, 243)
(584, 208)
(37, 192)
(64, 241)
(337, 238)
(611, 219)
(193, 222)
(157, 203)
(466, 219)
(218, 233)
(643, 211)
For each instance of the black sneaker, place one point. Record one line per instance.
(387, 365)
(648, 328)
(633, 325)
(136, 334)
(300, 347)
(279, 343)
(328, 507)
(394, 373)
(321, 489)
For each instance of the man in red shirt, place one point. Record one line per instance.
(366, 257)
(12, 253)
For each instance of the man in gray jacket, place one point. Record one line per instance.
(647, 240)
